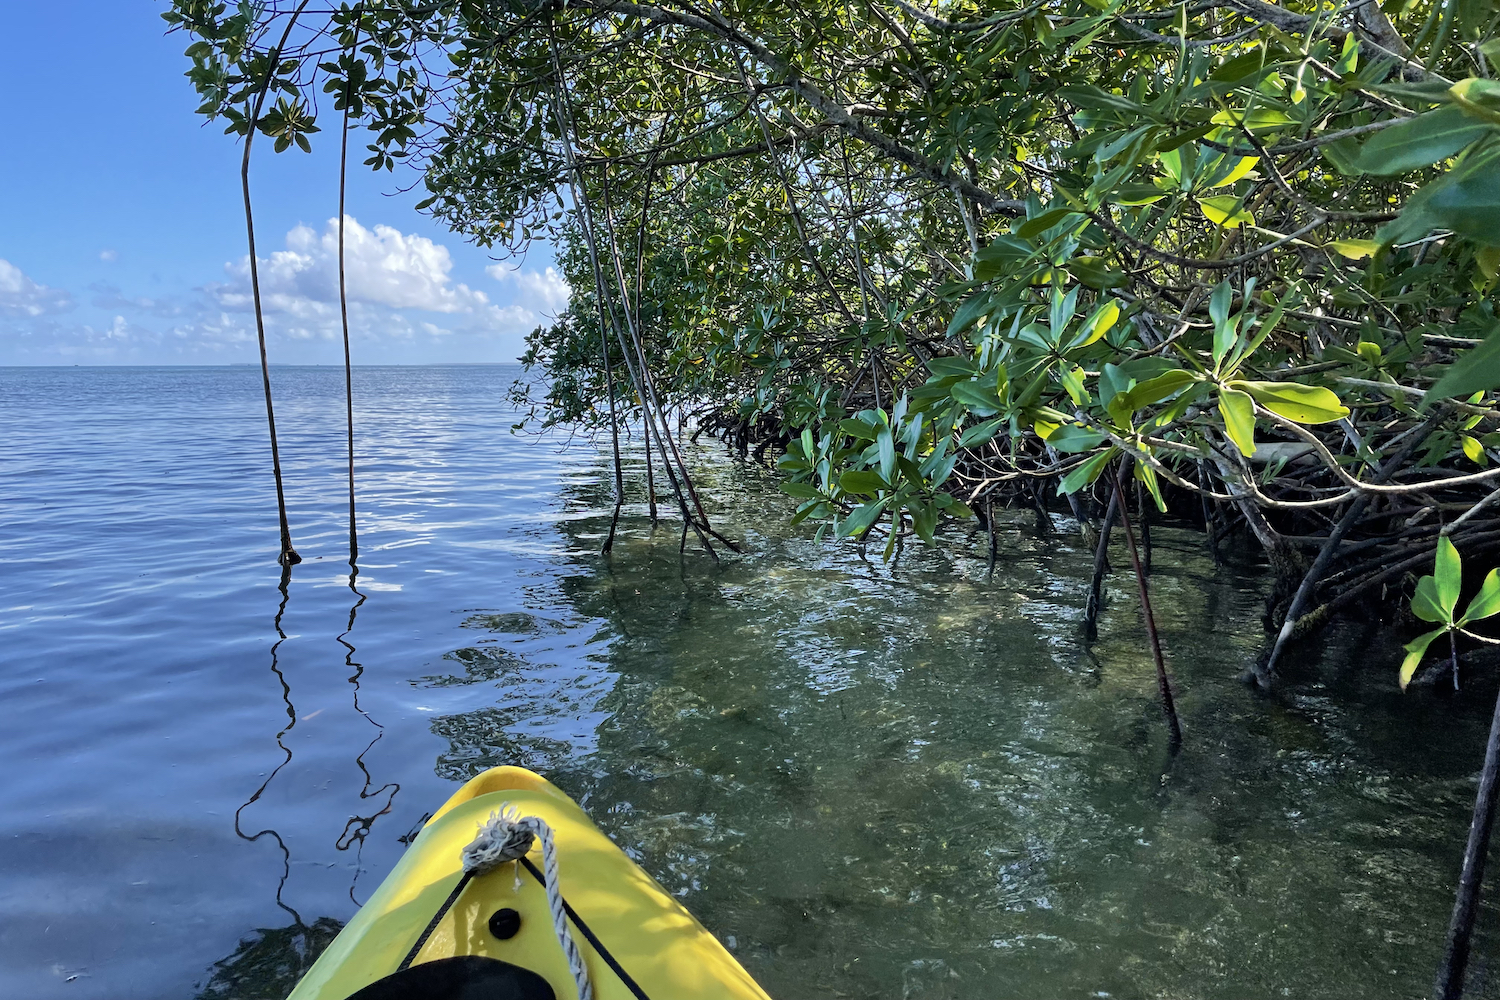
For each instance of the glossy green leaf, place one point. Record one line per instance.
(1154, 390)
(1425, 603)
(1415, 650)
(862, 481)
(861, 517)
(1093, 272)
(1072, 438)
(968, 314)
(1147, 475)
(1304, 404)
(1449, 573)
(1225, 210)
(1466, 200)
(1035, 227)
(977, 396)
(1086, 473)
(1486, 603)
(1419, 142)
(1238, 412)
(977, 435)
(885, 444)
(924, 520)
(1476, 369)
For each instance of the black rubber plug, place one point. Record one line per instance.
(505, 923)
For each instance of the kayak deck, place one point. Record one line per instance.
(651, 946)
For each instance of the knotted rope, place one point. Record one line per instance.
(508, 836)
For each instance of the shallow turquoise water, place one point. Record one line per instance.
(870, 781)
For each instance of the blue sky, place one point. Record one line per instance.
(122, 237)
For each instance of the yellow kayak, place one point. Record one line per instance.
(497, 938)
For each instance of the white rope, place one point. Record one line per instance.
(507, 836)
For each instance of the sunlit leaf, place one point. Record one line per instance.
(1238, 411)
(1415, 650)
(1086, 473)
(1354, 249)
(1485, 603)
(1449, 573)
(1304, 404)
(1225, 210)
(1425, 603)
(1073, 438)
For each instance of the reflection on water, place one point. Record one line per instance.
(871, 781)
(270, 963)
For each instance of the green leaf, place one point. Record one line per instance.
(1305, 404)
(862, 517)
(1086, 473)
(1135, 194)
(1466, 200)
(1354, 249)
(1479, 98)
(1415, 650)
(885, 444)
(1225, 210)
(1092, 272)
(1156, 389)
(1419, 142)
(1449, 575)
(968, 314)
(1183, 138)
(1218, 311)
(1147, 475)
(924, 518)
(978, 396)
(1476, 369)
(1072, 438)
(1238, 411)
(1089, 96)
(1100, 322)
(1042, 223)
(979, 433)
(1485, 603)
(1257, 120)
(862, 481)
(803, 491)
(1242, 166)
(1424, 601)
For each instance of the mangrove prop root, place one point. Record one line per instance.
(344, 310)
(1101, 566)
(1450, 977)
(288, 555)
(1163, 683)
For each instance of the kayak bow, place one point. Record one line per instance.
(496, 939)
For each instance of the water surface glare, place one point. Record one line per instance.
(869, 781)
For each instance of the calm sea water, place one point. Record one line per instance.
(870, 781)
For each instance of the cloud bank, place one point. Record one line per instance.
(404, 304)
(20, 296)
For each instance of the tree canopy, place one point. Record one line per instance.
(947, 258)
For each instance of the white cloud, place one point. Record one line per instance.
(20, 296)
(404, 305)
(109, 256)
(543, 292)
(383, 266)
